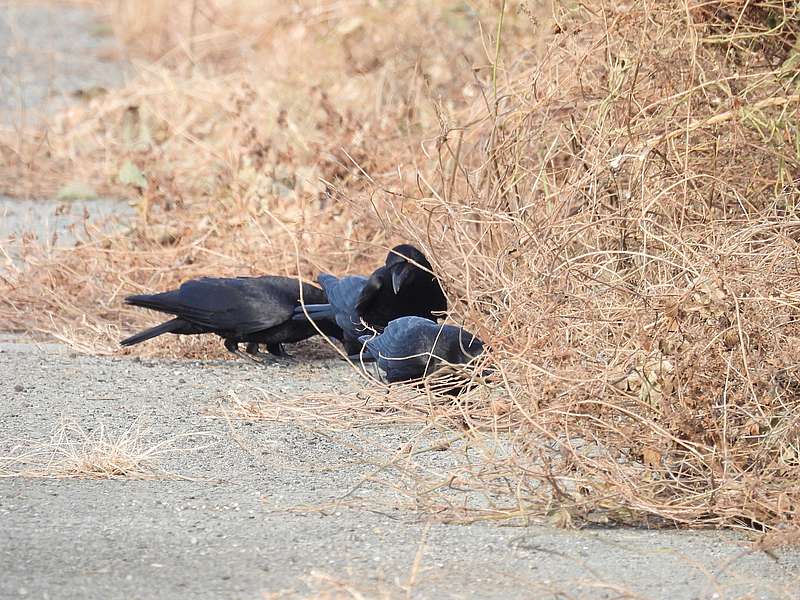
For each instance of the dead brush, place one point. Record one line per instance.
(74, 452)
(374, 404)
(620, 228)
(609, 194)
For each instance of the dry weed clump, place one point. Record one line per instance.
(74, 452)
(626, 210)
(609, 192)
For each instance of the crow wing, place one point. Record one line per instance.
(403, 349)
(244, 305)
(343, 295)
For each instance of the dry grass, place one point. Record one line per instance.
(609, 193)
(74, 452)
(338, 587)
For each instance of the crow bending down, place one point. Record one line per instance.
(255, 310)
(404, 286)
(341, 308)
(412, 347)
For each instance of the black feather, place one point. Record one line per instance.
(171, 326)
(342, 297)
(404, 286)
(412, 347)
(256, 310)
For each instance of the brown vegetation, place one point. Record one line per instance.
(72, 452)
(609, 192)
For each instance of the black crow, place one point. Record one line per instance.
(341, 308)
(255, 310)
(404, 286)
(412, 347)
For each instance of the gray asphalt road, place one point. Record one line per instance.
(228, 531)
(55, 223)
(48, 52)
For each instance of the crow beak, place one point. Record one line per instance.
(398, 277)
(488, 372)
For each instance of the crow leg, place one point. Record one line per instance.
(277, 350)
(233, 347)
(263, 357)
(353, 347)
(370, 367)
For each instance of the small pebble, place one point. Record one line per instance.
(19, 388)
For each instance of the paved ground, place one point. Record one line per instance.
(48, 53)
(226, 531)
(55, 222)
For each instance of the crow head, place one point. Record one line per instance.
(470, 346)
(406, 262)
